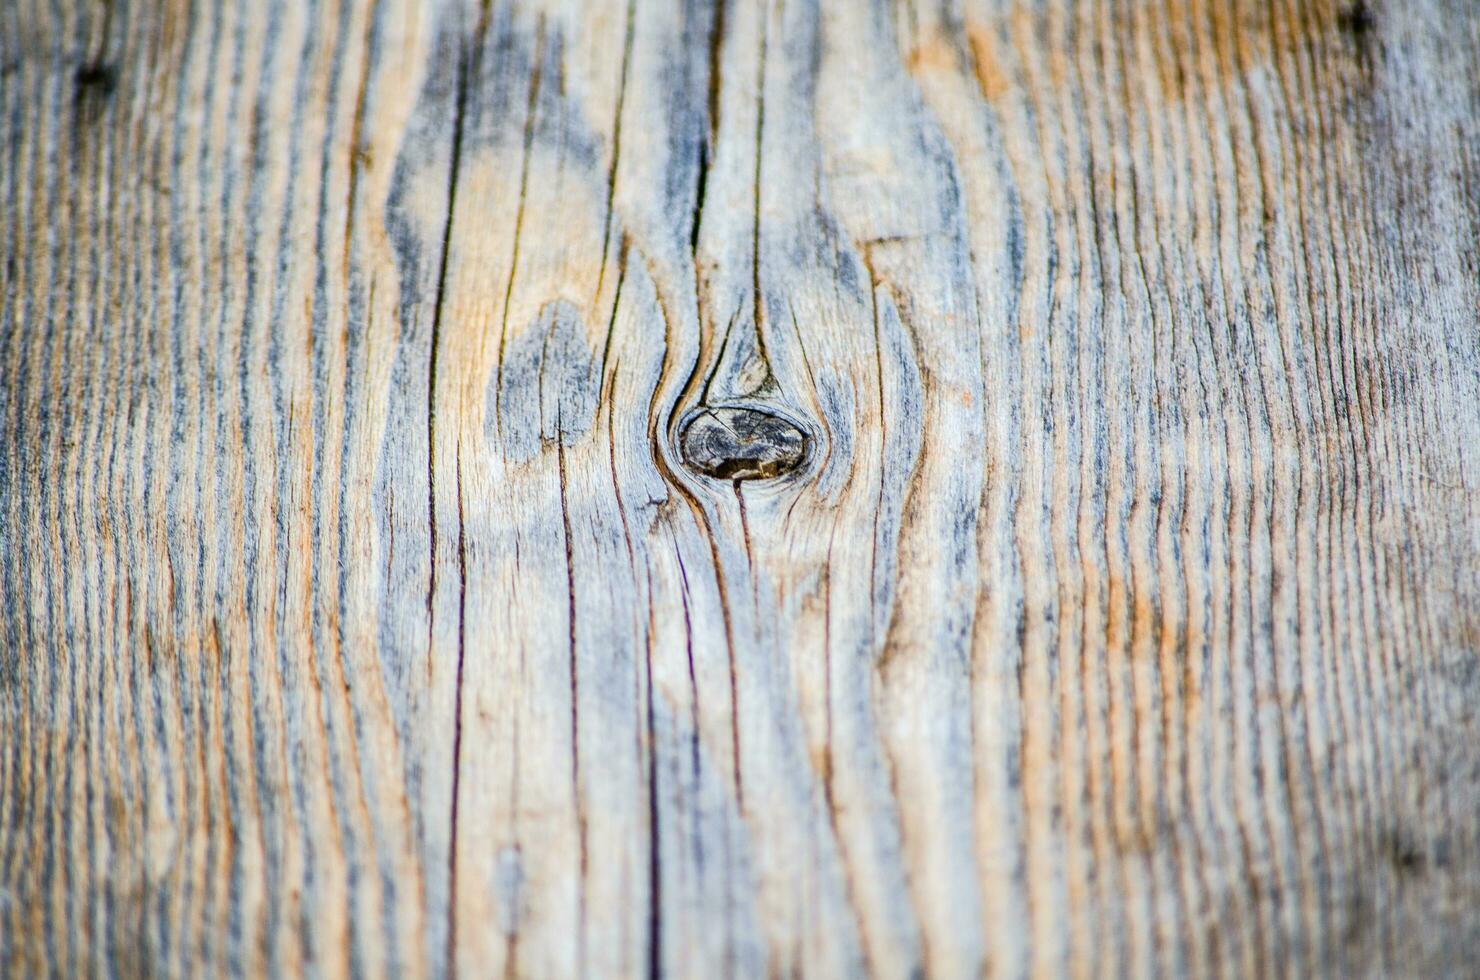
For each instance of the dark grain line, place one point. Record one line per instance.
(530, 122)
(454, 168)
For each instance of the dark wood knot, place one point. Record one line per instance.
(730, 442)
(95, 78)
(1357, 21)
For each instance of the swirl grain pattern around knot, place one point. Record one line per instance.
(740, 442)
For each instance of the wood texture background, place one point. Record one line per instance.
(359, 615)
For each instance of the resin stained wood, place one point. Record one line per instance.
(749, 487)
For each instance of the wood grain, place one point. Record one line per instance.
(362, 611)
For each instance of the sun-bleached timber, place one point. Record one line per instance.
(746, 487)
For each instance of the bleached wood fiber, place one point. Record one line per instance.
(1113, 607)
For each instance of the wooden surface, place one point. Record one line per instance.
(1112, 605)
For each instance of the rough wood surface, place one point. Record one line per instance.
(377, 598)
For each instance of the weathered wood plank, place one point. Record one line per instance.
(1100, 594)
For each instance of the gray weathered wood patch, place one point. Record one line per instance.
(739, 487)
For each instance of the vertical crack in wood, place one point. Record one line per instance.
(457, 699)
(719, 358)
(467, 63)
(655, 829)
(578, 794)
(611, 178)
(758, 303)
(531, 115)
